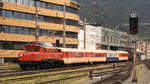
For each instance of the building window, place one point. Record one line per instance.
(38, 4)
(32, 3)
(13, 1)
(19, 31)
(41, 18)
(13, 30)
(43, 5)
(8, 14)
(6, 29)
(1, 29)
(4, 13)
(7, 45)
(19, 1)
(27, 16)
(26, 31)
(31, 31)
(1, 13)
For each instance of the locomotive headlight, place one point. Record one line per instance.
(21, 55)
(38, 56)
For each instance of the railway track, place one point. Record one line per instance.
(101, 73)
(9, 73)
(29, 75)
(117, 77)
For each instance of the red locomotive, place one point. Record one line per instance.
(43, 55)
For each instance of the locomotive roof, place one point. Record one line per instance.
(80, 50)
(122, 51)
(41, 44)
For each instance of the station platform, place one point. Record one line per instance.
(143, 75)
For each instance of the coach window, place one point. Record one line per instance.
(82, 54)
(71, 54)
(74, 54)
(94, 54)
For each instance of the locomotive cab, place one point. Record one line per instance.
(38, 53)
(33, 52)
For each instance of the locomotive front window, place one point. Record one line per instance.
(36, 49)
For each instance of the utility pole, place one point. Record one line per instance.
(36, 23)
(133, 27)
(84, 26)
(64, 29)
(134, 79)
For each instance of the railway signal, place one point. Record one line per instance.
(133, 24)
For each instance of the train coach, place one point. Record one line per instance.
(43, 55)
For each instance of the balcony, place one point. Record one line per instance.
(75, 5)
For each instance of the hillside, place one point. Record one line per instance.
(110, 13)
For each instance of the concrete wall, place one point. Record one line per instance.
(81, 39)
(90, 37)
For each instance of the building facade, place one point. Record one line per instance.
(81, 39)
(98, 37)
(17, 24)
(90, 37)
(148, 50)
(116, 40)
(144, 49)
